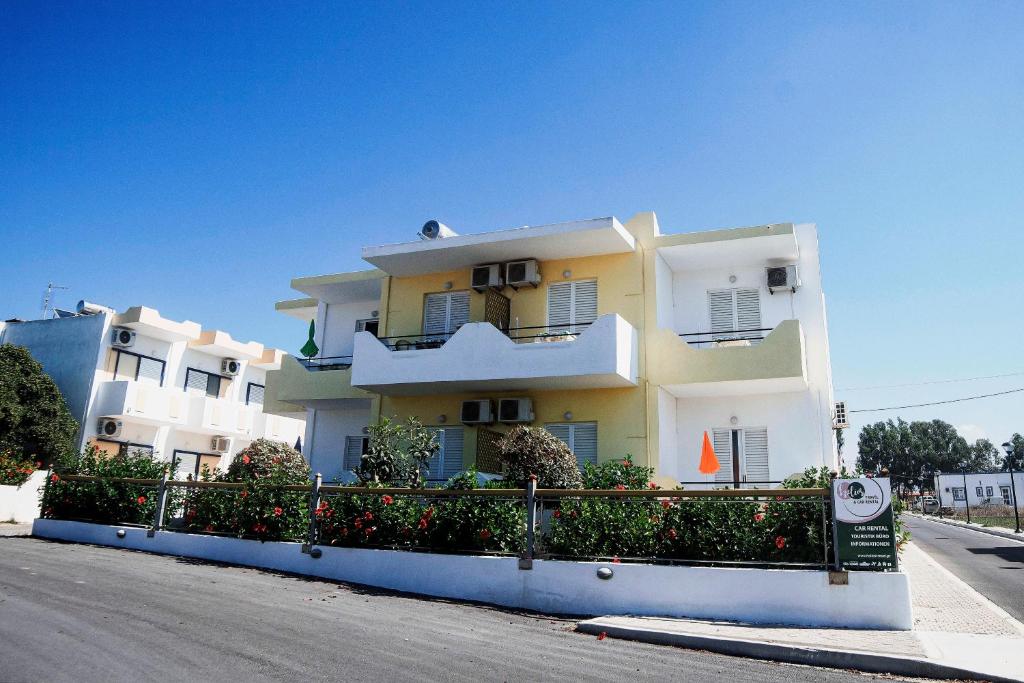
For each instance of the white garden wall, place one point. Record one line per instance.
(871, 600)
(21, 503)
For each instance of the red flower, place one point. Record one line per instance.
(344, 531)
(627, 463)
(368, 516)
(54, 477)
(780, 542)
(423, 523)
(209, 527)
(651, 485)
(278, 511)
(616, 560)
(672, 534)
(386, 499)
(778, 497)
(429, 512)
(246, 459)
(369, 530)
(245, 494)
(620, 487)
(602, 635)
(485, 534)
(665, 504)
(358, 523)
(140, 500)
(276, 461)
(558, 513)
(759, 517)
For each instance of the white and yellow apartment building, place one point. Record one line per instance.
(616, 338)
(137, 381)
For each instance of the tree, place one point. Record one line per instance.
(1015, 460)
(397, 454)
(913, 452)
(34, 418)
(525, 451)
(983, 456)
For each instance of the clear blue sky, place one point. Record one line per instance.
(195, 157)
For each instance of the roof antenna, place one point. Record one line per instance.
(48, 299)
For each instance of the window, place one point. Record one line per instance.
(444, 313)
(200, 381)
(191, 464)
(370, 325)
(136, 367)
(580, 437)
(731, 311)
(254, 394)
(447, 462)
(742, 455)
(977, 491)
(989, 492)
(572, 304)
(959, 493)
(355, 448)
(1005, 490)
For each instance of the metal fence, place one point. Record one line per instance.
(722, 527)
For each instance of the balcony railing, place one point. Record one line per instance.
(520, 335)
(744, 337)
(326, 363)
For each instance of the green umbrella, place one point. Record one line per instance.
(310, 348)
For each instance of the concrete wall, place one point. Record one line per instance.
(947, 482)
(802, 598)
(325, 442)
(336, 325)
(69, 350)
(21, 503)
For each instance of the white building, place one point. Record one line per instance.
(978, 489)
(138, 381)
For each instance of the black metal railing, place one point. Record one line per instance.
(326, 362)
(520, 335)
(723, 337)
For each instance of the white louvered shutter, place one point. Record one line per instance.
(256, 394)
(755, 454)
(560, 306)
(196, 380)
(452, 451)
(353, 453)
(722, 442)
(720, 311)
(584, 304)
(150, 371)
(560, 432)
(584, 443)
(458, 312)
(748, 310)
(435, 314)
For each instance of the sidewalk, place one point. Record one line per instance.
(957, 633)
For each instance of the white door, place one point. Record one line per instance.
(734, 313)
(580, 437)
(444, 313)
(572, 305)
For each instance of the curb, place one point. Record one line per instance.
(793, 654)
(973, 527)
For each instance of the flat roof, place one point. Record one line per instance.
(733, 247)
(359, 285)
(575, 239)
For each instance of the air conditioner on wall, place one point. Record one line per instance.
(230, 367)
(487, 277)
(782, 278)
(478, 412)
(522, 273)
(122, 338)
(110, 428)
(515, 410)
(220, 444)
(841, 421)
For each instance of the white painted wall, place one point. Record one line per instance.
(802, 598)
(793, 442)
(326, 431)
(336, 326)
(21, 503)
(947, 482)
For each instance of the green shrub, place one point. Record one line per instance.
(102, 501)
(525, 451)
(397, 454)
(258, 510)
(14, 470)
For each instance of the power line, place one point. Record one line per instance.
(938, 403)
(937, 381)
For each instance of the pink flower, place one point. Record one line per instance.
(651, 485)
(368, 516)
(780, 542)
(140, 500)
(759, 517)
(620, 487)
(616, 560)
(246, 459)
(278, 511)
(386, 499)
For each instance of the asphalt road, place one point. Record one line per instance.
(991, 565)
(83, 613)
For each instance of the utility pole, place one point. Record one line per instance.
(48, 298)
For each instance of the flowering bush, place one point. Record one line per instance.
(525, 451)
(102, 501)
(259, 509)
(397, 454)
(15, 471)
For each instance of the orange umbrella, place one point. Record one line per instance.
(708, 461)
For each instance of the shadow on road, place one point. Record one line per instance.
(1006, 553)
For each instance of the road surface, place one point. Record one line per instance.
(991, 565)
(83, 613)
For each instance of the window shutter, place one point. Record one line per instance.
(720, 310)
(452, 451)
(353, 452)
(150, 370)
(560, 432)
(195, 380)
(458, 314)
(755, 453)
(435, 466)
(256, 393)
(722, 442)
(560, 305)
(584, 443)
(435, 314)
(584, 305)
(748, 309)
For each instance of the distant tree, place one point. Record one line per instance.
(840, 441)
(1016, 459)
(984, 456)
(914, 451)
(34, 419)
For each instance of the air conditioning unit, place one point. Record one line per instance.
(110, 428)
(477, 412)
(487, 277)
(841, 420)
(522, 273)
(515, 410)
(781, 278)
(220, 444)
(230, 367)
(122, 338)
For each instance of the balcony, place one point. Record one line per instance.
(143, 403)
(479, 357)
(324, 383)
(747, 362)
(219, 417)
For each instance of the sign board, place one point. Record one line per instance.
(862, 524)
